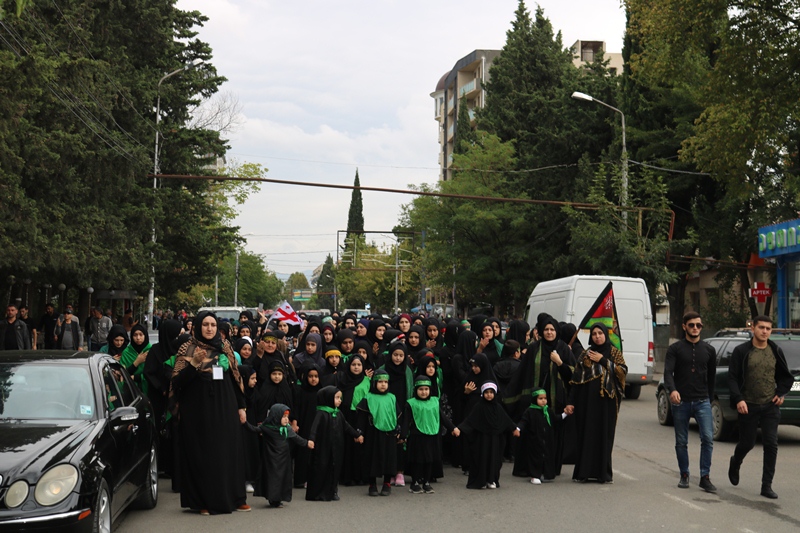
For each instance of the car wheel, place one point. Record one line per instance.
(664, 408)
(632, 392)
(149, 497)
(722, 428)
(101, 521)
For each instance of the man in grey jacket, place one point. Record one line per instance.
(13, 331)
(100, 326)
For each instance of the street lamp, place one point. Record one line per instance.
(152, 292)
(624, 196)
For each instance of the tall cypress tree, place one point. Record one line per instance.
(355, 217)
(465, 135)
(325, 285)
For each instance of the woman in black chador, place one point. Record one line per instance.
(305, 410)
(208, 388)
(328, 433)
(595, 394)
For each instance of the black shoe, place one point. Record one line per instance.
(684, 482)
(733, 471)
(373, 490)
(706, 485)
(427, 488)
(415, 488)
(335, 497)
(386, 490)
(767, 492)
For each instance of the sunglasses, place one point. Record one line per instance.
(695, 325)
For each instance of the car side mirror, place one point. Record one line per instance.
(123, 416)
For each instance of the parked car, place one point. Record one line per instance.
(78, 442)
(724, 416)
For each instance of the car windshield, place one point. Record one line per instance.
(791, 349)
(35, 390)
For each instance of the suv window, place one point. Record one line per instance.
(791, 349)
(725, 358)
(123, 383)
(718, 344)
(113, 397)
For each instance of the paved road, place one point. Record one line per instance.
(644, 497)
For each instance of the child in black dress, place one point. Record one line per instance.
(423, 421)
(377, 420)
(486, 427)
(328, 434)
(536, 444)
(275, 481)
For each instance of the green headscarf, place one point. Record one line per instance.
(545, 410)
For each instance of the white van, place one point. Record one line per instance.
(569, 299)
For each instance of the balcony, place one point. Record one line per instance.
(471, 113)
(468, 88)
(450, 132)
(451, 105)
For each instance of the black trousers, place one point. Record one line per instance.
(768, 416)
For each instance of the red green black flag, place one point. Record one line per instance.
(604, 310)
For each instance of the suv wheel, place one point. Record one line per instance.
(723, 429)
(664, 409)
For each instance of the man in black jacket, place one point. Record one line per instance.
(14, 332)
(690, 369)
(759, 378)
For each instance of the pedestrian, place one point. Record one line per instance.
(759, 380)
(378, 422)
(535, 458)
(47, 327)
(401, 384)
(690, 370)
(14, 333)
(275, 481)
(596, 390)
(423, 422)
(208, 388)
(355, 385)
(328, 433)
(305, 409)
(485, 428)
(100, 327)
(25, 317)
(69, 335)
(134, 355)
(117, 342)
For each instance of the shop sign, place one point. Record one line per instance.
(779, 239)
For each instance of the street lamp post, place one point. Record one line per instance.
(152, 293)
(624, 195)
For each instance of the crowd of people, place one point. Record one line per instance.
(372, 402)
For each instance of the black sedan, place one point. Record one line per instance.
(77, 442)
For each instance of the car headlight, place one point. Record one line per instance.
(56, 484)
(16, 494)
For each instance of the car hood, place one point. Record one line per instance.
(28, 448)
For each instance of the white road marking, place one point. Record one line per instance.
(684, 502)
(624, 476)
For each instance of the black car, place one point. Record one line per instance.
(77, 442)
(724, 416)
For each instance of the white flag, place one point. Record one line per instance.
(285, 313)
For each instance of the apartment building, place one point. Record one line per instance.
(467, 78)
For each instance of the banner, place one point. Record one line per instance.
(604, 311)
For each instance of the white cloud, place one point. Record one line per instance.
(348, 82)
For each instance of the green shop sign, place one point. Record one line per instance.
(779, 239)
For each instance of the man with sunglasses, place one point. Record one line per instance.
(690, 368)
(759, 379)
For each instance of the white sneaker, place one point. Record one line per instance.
(536, 481)
(491, 485)
(249, 488)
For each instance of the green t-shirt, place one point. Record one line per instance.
(759, 380)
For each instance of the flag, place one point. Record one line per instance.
(604, 311)
(285, 313)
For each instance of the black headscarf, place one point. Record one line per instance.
(117, 330)
(303, 372)
(517, 331)
(141, 346)
(168, 333)
(197, 331)
(604, 348)
(422, 364)
(326, 396)
(486, 374)
(419, 330)
(345, 334)
(567, 333)
(372, 328)
(548, 346)
(155, 372)
(271, 393)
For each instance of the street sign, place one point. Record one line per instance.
(302, 295)
(760, 292)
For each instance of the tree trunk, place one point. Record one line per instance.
(676, 294)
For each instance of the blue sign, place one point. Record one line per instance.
(779, 239)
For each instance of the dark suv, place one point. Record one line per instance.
(725, 417)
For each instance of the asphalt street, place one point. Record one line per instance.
(644, 496)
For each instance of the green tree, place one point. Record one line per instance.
(296, 280)
(257, 284)
(464, 135)
(326, 285)
(76, 132)
(355, 215)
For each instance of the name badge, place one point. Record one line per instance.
(216, 371)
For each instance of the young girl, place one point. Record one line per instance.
(354, 384)
(535, 457)
(333, 359)
(401, 384)
(424, 420)
(485, 428)
(275, 481)
(135, 354)
(328, 434)
(377, 419)
(273, 387)
(305, 409)
(252, 454)
(312, 351)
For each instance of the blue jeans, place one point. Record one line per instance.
(701, 411)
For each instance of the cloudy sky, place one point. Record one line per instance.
(328, 87)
